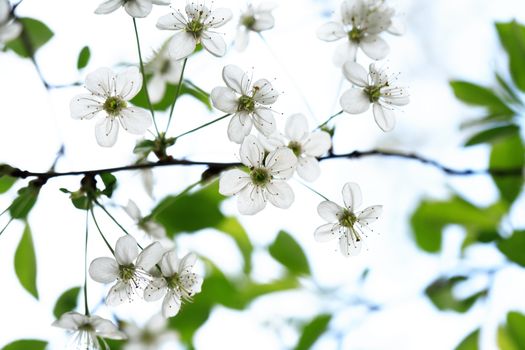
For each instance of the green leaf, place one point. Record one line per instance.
(110, 184)
(516, 328)
(289, 253)
(470, 342)
(312, 331)
(6, 182)
(232, 227)
(479, 96)
(505, 341)
(140, 99)
(25, 262)
(514, 247)
(66, 302)
(506, 86)
(26, 344)
(34, 35)
(512, 37)
(83, 57)
(491, 135)
(508, 153)
(190, 212)
(441, 294)
(25, 201)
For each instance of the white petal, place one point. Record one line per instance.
(161, 2)
(281, 162)
(346, 51)
(224, 99)
(331, 31)
(355, 73)
(187, 263)
(10, 31)
(264, 92)
(150, 256)
(317, 144)
(85, 106)
(135, 120)
(169, 263)
(156, 88)
(239, 127)
(214, 43)
(326, 232)
(296, 127)
(192, 283)
(355, 101)
(108, 6)
(182, 45)
(352, 196)
(104, 270)
(272, 142)
(308, 168)
(105, 328)
(348, 246)
(252, 152)
(155, 230)
(106, 132)
(264, 121)
(171, 304)
(397, 27)
(384, 117)
(71, 321)
(126, 250)
(133, 211)
(219, 17)
(101, 82)
(250, 200)
(156, 289)
(263, 21)
(5, 8)
(236, 78)
(118, 294)
(329, 211)
(232, 181)
(374, 47)
(128, 83)
(369, 214)
(138, 8)
(172, 21)
(242, 39)
(280, 194)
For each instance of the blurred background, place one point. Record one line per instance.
(444, 261)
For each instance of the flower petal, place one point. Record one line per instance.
(156, 88)
(101, 82)
(218, 17)
(374, 47)
(85, 106)
(242, 38)
(331, 31)
(171, 304)
(108, 6)
(106, 132)
(104, 270)
(281, 162)
(355, 73)
(138, 8)
(250, 200)
(224, 99)
(128, 83)
(239, 127)
(264, 21)
(169, 264)
(5, 8)
(232, 181)
(349, 246)
(71, 321)
(296, 127)
(329, 211)
(308, 168)
(118, 294)
(133, 211)
(355, 101)
(352, 196)
(264, 121)
(135, 120)
(384, 117)
(172, 21)
(236, 78)
(105, 328)
(187, 263)
(182, 45)
(346, 51)
(280, 194)
(10, 31)
(150, 256)
(264, 92)
(326, 232)
(317, 144)
(369, 214)
(126, 250)
(252, 152)
(156, 289)
(214, 43)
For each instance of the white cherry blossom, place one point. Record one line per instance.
(248, 102)
(254, 19)
(135, 8)
(164, 70)
(153, 335)
(362, 23)
(87, 329)
(196, 27)
(9, 29)
(152, 229)
(178, 283)
(265, 181)
(307, 146)
(108, 97)
(346, 223)
(129, 269)
(376, 88)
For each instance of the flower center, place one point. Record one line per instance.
(87, 327)
(195, 27)
(347, 219)
(373, 92)
(126, 272)
(246, 104)
(165, 67)
(248, 22)
(355, 35)
(260, 176)
(114, 105)
(296, 148)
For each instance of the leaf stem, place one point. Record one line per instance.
(329, 119)
(177, 93)
(86, 307)
(100, 231)
(114, 220)
(202, 126)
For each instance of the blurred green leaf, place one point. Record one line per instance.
(34, 35)
(509, 90)
(312, 331)
(232, 227)
(140, 99)
(66, 302)
(512, 37)
(514, 247)
(25, 200)
(25, 262)
(26, 344)
(441, 294)
(115, 344)
(508, 153)
(110, 184)
(289, 253)
(479, 96)
(491, 135)
(505, 341)
(6, 182)
(83, 57)
(516, 328)
(190, 212)
(190, 318)
(470, 342)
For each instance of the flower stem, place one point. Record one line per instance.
(328, 120)
(86, 307)
(6, 225)
(115, 220)
(177, 92)
(314, 191)
(100, 231)
(202, 126)
(144, 82)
